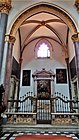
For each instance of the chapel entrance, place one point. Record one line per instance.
(44, 89)
(43, 112)
(43, 101)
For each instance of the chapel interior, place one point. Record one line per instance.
(39, 64)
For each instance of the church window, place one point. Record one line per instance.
(43, 51)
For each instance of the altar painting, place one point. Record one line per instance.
(43, 89)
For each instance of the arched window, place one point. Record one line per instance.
(43, 50)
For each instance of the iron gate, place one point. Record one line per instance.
(43, 111)
(42, 107)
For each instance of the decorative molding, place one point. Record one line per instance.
(22, 119)
(46, 8)
(75, 37)
(62, 121)
(77, 5)
(6, 38)
(5, 6)
(10, 38)
(65, 120)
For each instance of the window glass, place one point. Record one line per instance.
(43, 50)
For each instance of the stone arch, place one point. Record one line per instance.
(46, 8)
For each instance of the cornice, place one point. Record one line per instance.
(5, 6)
(77, 5)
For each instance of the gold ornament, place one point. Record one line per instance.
(77, 5)
(5, 6)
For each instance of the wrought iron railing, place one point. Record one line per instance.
(30, 109)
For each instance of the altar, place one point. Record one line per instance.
(44, 89)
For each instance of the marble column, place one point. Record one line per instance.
(75, 39)
(16, 94)
(11, 88)
(11, 91)
(69, 82)
(5, 7)
(19, 73)
(4, 62)
(52, 87)
(35, 91)
(8, 68)
(16, 90)
(69, 77)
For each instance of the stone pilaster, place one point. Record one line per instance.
(75, 39)
(19, 73)
(52, 86)
(69, 77)
(69, 81)
(35, 90)
(8, 68)
(5, 6)
(4, 62)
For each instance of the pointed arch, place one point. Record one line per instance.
(46, 8)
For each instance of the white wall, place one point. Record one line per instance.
(16, 48)
(71, 47)
(30, 62)
(37, 64)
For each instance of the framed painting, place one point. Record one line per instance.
(43, 89)
(61, 76)
(26, 77)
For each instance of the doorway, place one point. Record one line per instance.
(43, 101)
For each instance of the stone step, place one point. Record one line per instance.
(41, 127)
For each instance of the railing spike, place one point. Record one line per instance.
(31, 93)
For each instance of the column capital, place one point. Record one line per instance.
(75, 37)
(77, 5)
(10, 38)
(6, 38)
(5, 6)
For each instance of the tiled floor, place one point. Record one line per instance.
(10, 135)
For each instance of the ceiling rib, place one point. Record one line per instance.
(55, 32)
(40, 37)
(31, 21)
(19, 39)
(49, 27)
(37, 27)
(39, 22)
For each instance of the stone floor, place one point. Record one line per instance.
(11, 135)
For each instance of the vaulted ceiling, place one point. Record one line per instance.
(44, 25)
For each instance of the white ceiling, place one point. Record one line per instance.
(43, 25)
(41, 0)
